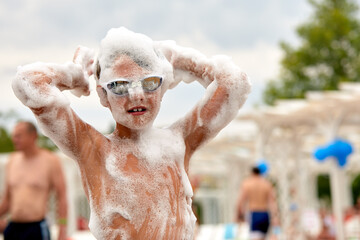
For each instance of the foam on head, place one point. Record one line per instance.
(121, 41)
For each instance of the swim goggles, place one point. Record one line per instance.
(121, 86)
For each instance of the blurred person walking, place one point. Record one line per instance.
(31, 174)
(257, 197)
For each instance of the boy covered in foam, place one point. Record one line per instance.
(135, 178)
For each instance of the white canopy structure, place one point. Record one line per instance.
(286, 135)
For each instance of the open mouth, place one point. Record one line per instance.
(137, 110)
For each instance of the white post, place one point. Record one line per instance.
(302, 193)
(346, 191)
(336, 195)
(335, 181)
(284, 200)
(259, 153)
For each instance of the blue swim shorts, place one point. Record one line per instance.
(27, 231)
(259, 222)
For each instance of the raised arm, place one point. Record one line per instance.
(39, 87)
(226, 86)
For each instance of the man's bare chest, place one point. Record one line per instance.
(29, 174)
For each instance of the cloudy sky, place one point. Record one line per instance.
(50, 31)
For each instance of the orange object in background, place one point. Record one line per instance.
(82, 224)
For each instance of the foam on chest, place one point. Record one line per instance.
(145, 178)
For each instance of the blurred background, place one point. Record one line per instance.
(303, 60)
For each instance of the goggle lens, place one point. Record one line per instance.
(151, 83)
(121, 87)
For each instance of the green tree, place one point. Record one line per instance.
(328, 52)
(6, 144)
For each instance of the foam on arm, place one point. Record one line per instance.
(226, 86)
(39, 86)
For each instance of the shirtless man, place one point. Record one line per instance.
(31, 174)
(257, 196)
(136, 178)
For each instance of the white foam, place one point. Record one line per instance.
(120, 40)
(172, 51)
(165, 141)
(29, 93)
(34, 84)
(238, 87)
(157, 151)
(29, 84)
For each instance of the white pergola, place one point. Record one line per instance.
(286, 136)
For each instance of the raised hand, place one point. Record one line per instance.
(84, 57)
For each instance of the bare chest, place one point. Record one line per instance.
(34, 174)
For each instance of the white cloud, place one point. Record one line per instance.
(261, 62)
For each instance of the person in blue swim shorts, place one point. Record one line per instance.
(257, 197)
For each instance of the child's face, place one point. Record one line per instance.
(137, 109)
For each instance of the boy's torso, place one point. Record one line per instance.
(140, 189)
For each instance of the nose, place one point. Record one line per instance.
(136, 94)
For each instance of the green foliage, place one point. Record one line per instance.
(327, 55)
(323, 189)
(6, 144)
(355, 189)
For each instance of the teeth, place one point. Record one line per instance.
(137, 110)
